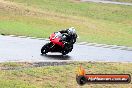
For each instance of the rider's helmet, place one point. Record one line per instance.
(72, 31)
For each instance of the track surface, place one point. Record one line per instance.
(26, 49)
(107, 1)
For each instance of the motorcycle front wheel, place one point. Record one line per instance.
(45, 48)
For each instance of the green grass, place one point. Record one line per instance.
(101, 23)
(60, 76)
(14, 64)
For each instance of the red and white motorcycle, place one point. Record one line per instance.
(57, 45)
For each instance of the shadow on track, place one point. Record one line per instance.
(57, 57)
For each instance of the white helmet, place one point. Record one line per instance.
(71, 31)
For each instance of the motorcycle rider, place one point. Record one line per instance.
(67, 38)
(70, 34)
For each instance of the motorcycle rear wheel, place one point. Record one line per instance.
(67, 50)
(64, 52)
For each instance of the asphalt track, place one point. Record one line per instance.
(107, 1)
(27, 49)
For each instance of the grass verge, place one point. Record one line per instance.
(58, 76)
(95, 22)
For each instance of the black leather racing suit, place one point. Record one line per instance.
(71, 39)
